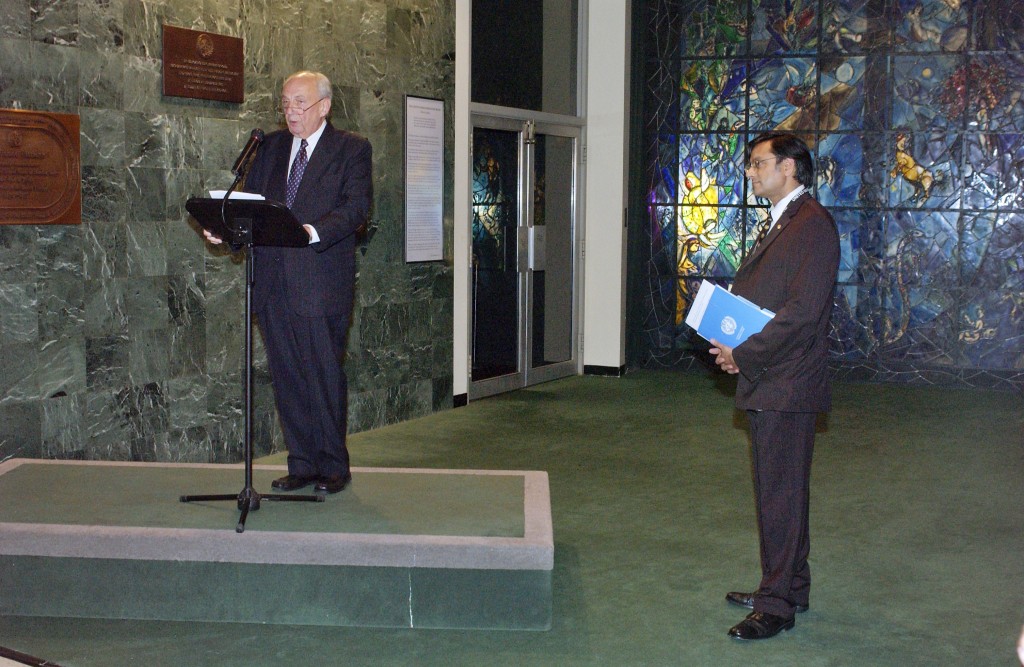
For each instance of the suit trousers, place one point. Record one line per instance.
(782, 444)
(306, 359)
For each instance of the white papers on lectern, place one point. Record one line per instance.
(719, 314)
(219, 194)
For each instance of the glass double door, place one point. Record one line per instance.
(524, 254)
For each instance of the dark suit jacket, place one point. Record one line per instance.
(793, 273)
(334, 196)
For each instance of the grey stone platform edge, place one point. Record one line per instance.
(299, 578)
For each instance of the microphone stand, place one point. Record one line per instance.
(248, 498)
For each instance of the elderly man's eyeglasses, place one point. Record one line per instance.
(297, 107)
(756, 164)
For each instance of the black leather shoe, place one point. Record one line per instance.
(333, 483)
(759, 625)
(292, 482)
(747, 600)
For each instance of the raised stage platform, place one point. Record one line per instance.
(399, 548)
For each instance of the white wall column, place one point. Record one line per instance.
(607, 141)
(462, 243)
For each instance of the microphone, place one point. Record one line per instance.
(255, 139)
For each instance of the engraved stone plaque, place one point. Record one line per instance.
(203, 65)
(40, 180)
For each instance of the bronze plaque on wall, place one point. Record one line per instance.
(203, 65)
(40, 181)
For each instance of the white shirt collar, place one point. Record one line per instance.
(310, 143)
(780, 208)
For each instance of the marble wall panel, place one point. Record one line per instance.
(18, 321)
(54, 21)
(62, 369)
(55, 85)
(61, 428)
(142, 27)
(104, 194)
(146, 190)
(20, 430)
(19, 378)
(186, 401)
(102, 137)
(367, 410)
(443, 388)
(16, 73)
(15, 18)
(101, 26)
(105, 249)
(122, 338)
(106, 431)
(147, 249)
(61, 306)
(101, 78)
(106, 361)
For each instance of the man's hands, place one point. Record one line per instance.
(210, 238)
(723, 357)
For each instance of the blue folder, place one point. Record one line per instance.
(719, 314)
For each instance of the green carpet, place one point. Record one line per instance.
(917, 528)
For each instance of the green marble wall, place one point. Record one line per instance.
(122, 338)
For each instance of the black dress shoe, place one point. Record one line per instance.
(747, 600)
(333, 483)
(760, 625)
(292, 482)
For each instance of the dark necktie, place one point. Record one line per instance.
(762, 232)
(295, 177)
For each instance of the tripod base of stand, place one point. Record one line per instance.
(249, 501)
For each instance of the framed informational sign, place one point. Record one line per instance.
(424, 179)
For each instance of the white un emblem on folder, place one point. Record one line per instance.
(728, 326)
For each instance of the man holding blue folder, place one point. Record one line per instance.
(782, 372)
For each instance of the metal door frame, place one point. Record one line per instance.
(527, 125)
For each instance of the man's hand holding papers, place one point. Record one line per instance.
(723, 357)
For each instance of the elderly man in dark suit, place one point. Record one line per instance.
(782, 373)
(303, 297)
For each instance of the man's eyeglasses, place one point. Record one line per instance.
(297, 106)
(756, 164)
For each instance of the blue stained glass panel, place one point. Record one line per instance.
(975, 233)
(664, 186)
(992, 93)
(842, 96)
(931, 25)
(925, 171)
(711, 169)
(998, 25)
(714, 28)
(849, 223)
(925, 93)
(917, 278)
(783, 95)
(712, 96)
(845, 27)
(784, 27)
(721, 258)
(838, 170)
(994, 175)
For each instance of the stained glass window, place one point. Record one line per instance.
(913, 112)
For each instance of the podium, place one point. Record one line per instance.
(248, 223)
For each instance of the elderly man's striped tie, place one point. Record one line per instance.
(295, 177)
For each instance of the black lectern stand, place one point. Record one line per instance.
(249, 223)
